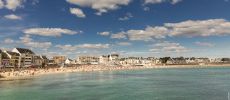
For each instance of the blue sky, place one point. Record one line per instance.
(199, 28)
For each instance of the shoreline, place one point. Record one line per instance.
(26, 74)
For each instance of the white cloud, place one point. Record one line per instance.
(102, 6)
(124, 43)
(69, 47)
(78, 12)
(25, 39)
(169, 47)
(120, 35)
(39, 44)
(28, 41)
(175, 1)
(34, 2)
(66, 47)
(8, 41)
(153, 1)
(13, 17)
(161, 1)
(205, 44)
(104, 33)
(190, 28)
(49, 31)
(126, 17)
(93, 46)
(13, 4)
(1, 4)
(146, 9)
(149, 33)
(155, 50)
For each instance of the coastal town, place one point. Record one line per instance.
(21, 62)
(25, 58)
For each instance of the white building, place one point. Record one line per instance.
(26, 56)
(37, 61)
(190, 60)
(88, 60)
(104, 59)
(14, 59)
(69, 61)
(111, 59)
(138, 61)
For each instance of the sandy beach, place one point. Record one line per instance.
(23, 74)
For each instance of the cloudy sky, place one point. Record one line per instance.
(199, 28)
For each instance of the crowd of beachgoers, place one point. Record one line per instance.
(29, 72)
(13, 74)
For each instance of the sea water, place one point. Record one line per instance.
(147, 84)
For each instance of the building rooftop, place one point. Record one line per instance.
(13, 53)
(5, 56)
(70, 59)
(37, 57)
(23, 50)
(114, 54)
(44, 57)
